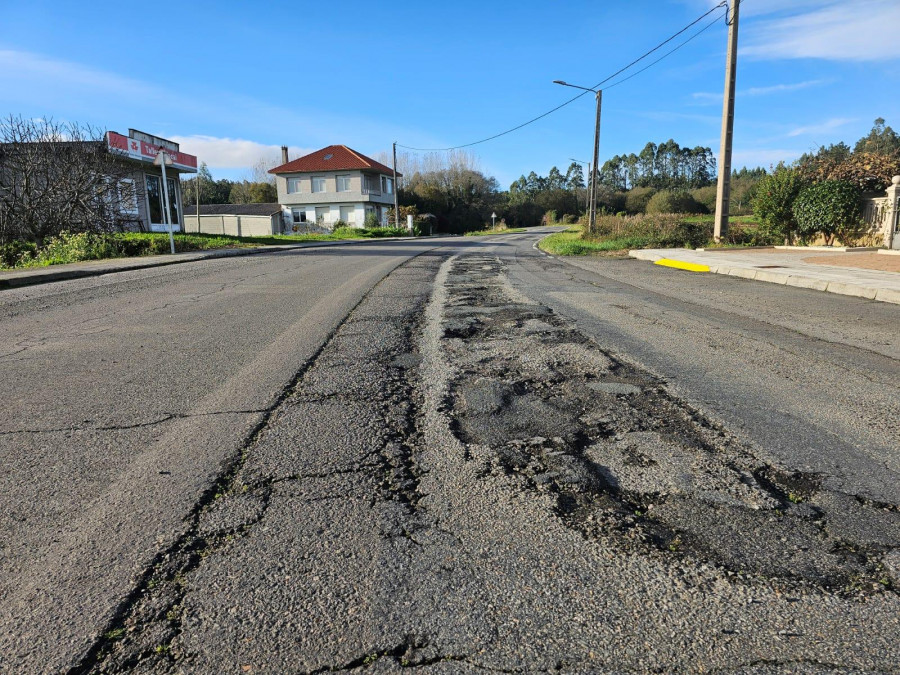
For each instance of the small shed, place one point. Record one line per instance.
(238, 220)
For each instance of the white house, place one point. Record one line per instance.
(331, 184)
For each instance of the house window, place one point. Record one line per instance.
(348, 214)
(370, 185)
(127, 196)
(321, 214)
(318, 184)
(387, 185)
(298, 215)
(293, 185)
(343, 183)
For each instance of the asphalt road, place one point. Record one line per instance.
(456, 455)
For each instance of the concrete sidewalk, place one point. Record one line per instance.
(91, 268)
(864, 275)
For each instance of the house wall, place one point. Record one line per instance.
(331, 195)
(359, 213)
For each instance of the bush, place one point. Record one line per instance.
(11, 253)
(340, 225)
(637, 198)
(672, 201)
(371, 221)
(550, 217)
(706, 196)
(831, 208)
(652, 231)
(773, 203)
(569, 219)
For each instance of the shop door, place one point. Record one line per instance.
(156, 203)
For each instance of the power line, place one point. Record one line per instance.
(697, 34)
(578, 96)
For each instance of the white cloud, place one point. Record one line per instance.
(707, 98)
(828, 125)
(851, 30)
(778, 88)
(234, 153)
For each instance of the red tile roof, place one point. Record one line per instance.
(333, 158)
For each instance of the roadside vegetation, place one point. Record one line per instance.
(69, 247)
(497, 230)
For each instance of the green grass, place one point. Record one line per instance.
(77, 247)
(485, 233)
(570, 242)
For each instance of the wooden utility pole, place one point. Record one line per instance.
(396, 198)
(592, 219)
(723, 190)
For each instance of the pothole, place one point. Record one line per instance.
(629, 464)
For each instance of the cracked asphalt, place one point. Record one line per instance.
(454, 456)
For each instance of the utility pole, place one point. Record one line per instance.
(592, 221)
(592, 218)
(723, 190)
(396, 199)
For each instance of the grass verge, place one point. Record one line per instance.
(485, 233)
(571, 242)
(70, 247)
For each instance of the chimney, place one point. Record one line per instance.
(284, 156)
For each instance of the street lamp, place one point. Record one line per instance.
(587, 193)
(592, 218)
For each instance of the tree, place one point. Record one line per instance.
(61, 176)
(881, 140)
(263, 193)
(773, 203)
(574, 177)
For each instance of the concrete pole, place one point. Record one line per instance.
(166, 200)
(723, 190)
(396, 198)
(592, 220)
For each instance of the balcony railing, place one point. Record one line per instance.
(371, 190)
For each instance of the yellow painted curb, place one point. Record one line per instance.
(678, 264)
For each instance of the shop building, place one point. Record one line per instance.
(142, 192)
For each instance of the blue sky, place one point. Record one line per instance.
(232, 81)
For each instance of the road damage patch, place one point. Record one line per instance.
(628, 464)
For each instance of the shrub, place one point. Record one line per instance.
(706, 196)
(672, 201)
(653, 230)
(550, 217)
(831, 208)
(340, 225)
(637, 198)
(569, 219)
(773, 203)
(11, 253)
(371, 221)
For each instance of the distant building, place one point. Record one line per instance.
(331, 184)
(144, 197)
(239, 220)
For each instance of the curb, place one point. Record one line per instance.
(92, 269)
